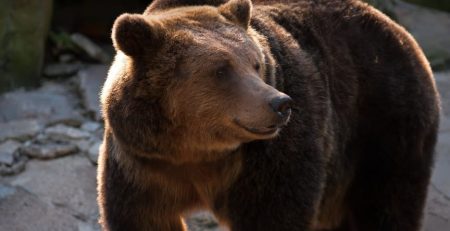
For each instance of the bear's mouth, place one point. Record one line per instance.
(264, 131)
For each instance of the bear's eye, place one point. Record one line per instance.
(221, 72)
(257, 67)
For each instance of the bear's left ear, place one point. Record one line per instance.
(134, 35)
(238, 11)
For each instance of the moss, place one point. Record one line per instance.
(23, 30)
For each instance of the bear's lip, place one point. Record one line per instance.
(258, 131)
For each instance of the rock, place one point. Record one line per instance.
(83, 226)
(438, 203)
(443, 84)
(94, 151)
(67, 184)
(62, 69)
(66, 58)
(90, 82)
(90, 48)
(203, 221)
(431, 28)
(17, 167)
(437, 213)
(6, 191)
(442, 164)
(52, 103)
(90, 126)
(62, 132)
(444, 125)
(433, 222)
(11, 161)
(19, 130)
(7, 151)
(24, 211)
(99, 133)
(83, 145)
(49, 151)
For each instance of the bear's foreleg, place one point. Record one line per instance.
(277, 190)
(130, 206)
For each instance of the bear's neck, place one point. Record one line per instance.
(170, 151)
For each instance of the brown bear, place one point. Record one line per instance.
(296, 116)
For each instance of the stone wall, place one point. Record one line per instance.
(24, 26)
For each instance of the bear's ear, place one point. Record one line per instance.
(238, 11)
(134, 35)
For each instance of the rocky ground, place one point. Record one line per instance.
(49, 139)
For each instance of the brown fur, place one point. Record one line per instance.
(189, 121)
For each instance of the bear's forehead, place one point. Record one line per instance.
(170, 4)
(202, 26)
(203, 32)
(197, 19)
(222, 41)
(188, 13)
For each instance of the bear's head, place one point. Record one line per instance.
(191, 80)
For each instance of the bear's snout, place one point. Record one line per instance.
(281, 105)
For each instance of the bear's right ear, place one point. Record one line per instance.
(238, 11)
(134, 35)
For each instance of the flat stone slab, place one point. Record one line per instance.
(21, 210)
(437, 211)
(7, 151)
(67, 183)
(438, 204)
(64, 132)
(441, 175)
(19, 130)
(49, 151)
(91, 126)
(443, 84)
(62, 69)
(435, 223)
(90, 82)
(94, 151)
(52, 103)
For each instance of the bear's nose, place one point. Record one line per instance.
(281, 105)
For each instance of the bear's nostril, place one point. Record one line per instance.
(281, 105)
